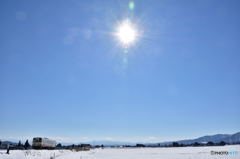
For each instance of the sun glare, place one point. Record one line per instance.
(126, 33)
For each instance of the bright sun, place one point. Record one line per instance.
(126, 33)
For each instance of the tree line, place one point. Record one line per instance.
(13, 146)
(176, 144)
(26, 145)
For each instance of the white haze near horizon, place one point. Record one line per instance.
(149, 139)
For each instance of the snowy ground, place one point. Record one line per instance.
(127, 153)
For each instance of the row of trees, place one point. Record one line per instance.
(176, 144)
(20, 145)
(26, 145)
(210, 143)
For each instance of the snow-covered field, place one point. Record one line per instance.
(127, 153)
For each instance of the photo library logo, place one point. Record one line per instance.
(224, 153)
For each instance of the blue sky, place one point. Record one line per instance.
(63, 74)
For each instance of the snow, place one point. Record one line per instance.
(127, 153)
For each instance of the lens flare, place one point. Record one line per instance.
(126, 33)
(131, 5)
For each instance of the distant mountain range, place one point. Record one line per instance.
(4, 143)
(228, 138)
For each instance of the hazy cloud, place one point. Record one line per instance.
(75, 33)
(21, 16)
